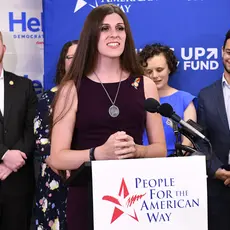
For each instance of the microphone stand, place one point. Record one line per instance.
(196, 151)
(188, 151)
(177, 135)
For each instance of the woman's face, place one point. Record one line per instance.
(112, 36)
(69, 56)
(158, 70)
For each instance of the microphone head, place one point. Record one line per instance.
(166, 110)
(151, 105)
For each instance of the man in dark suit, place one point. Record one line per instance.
(214, 116)
(17, 110)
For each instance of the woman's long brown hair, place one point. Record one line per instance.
(85, 58)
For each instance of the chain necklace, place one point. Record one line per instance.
(113, 109)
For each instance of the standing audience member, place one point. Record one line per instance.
(159, 63)
(214, 117)
(51, 194)
(18, 103)
(99, 109)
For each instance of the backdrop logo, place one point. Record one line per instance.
(24, 25)
(199, 58)
(125, 5)
(123, 204)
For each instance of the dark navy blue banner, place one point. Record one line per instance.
(195, 29)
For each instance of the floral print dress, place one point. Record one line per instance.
(51, 193)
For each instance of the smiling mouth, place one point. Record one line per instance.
(113, 44)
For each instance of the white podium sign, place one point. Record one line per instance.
(146, 194)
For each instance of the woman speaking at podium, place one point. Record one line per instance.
(98, 112)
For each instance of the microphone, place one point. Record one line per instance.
(151, 105)
(166, 110)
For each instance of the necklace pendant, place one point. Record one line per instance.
(114, 111)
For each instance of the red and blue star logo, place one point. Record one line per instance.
(123, 204)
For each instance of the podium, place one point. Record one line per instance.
(80, 177)
(159, 193)
(83, 177)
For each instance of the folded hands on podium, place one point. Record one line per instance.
(119, 145)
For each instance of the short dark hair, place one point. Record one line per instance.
(60, 69)
(227, 36)
(150, 51)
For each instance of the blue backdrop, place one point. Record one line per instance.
(195, 29)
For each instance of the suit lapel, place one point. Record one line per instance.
(221, 105)
(9, 89)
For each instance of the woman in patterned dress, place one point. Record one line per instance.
(51, 193)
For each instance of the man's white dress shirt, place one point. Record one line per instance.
(2, 92)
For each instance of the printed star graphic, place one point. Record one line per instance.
(81, 3)
(120, 209)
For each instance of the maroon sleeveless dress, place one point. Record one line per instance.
(94, 125)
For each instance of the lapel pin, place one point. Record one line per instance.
(11, 82)
(135, 84)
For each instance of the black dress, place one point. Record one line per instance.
(94, 125)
